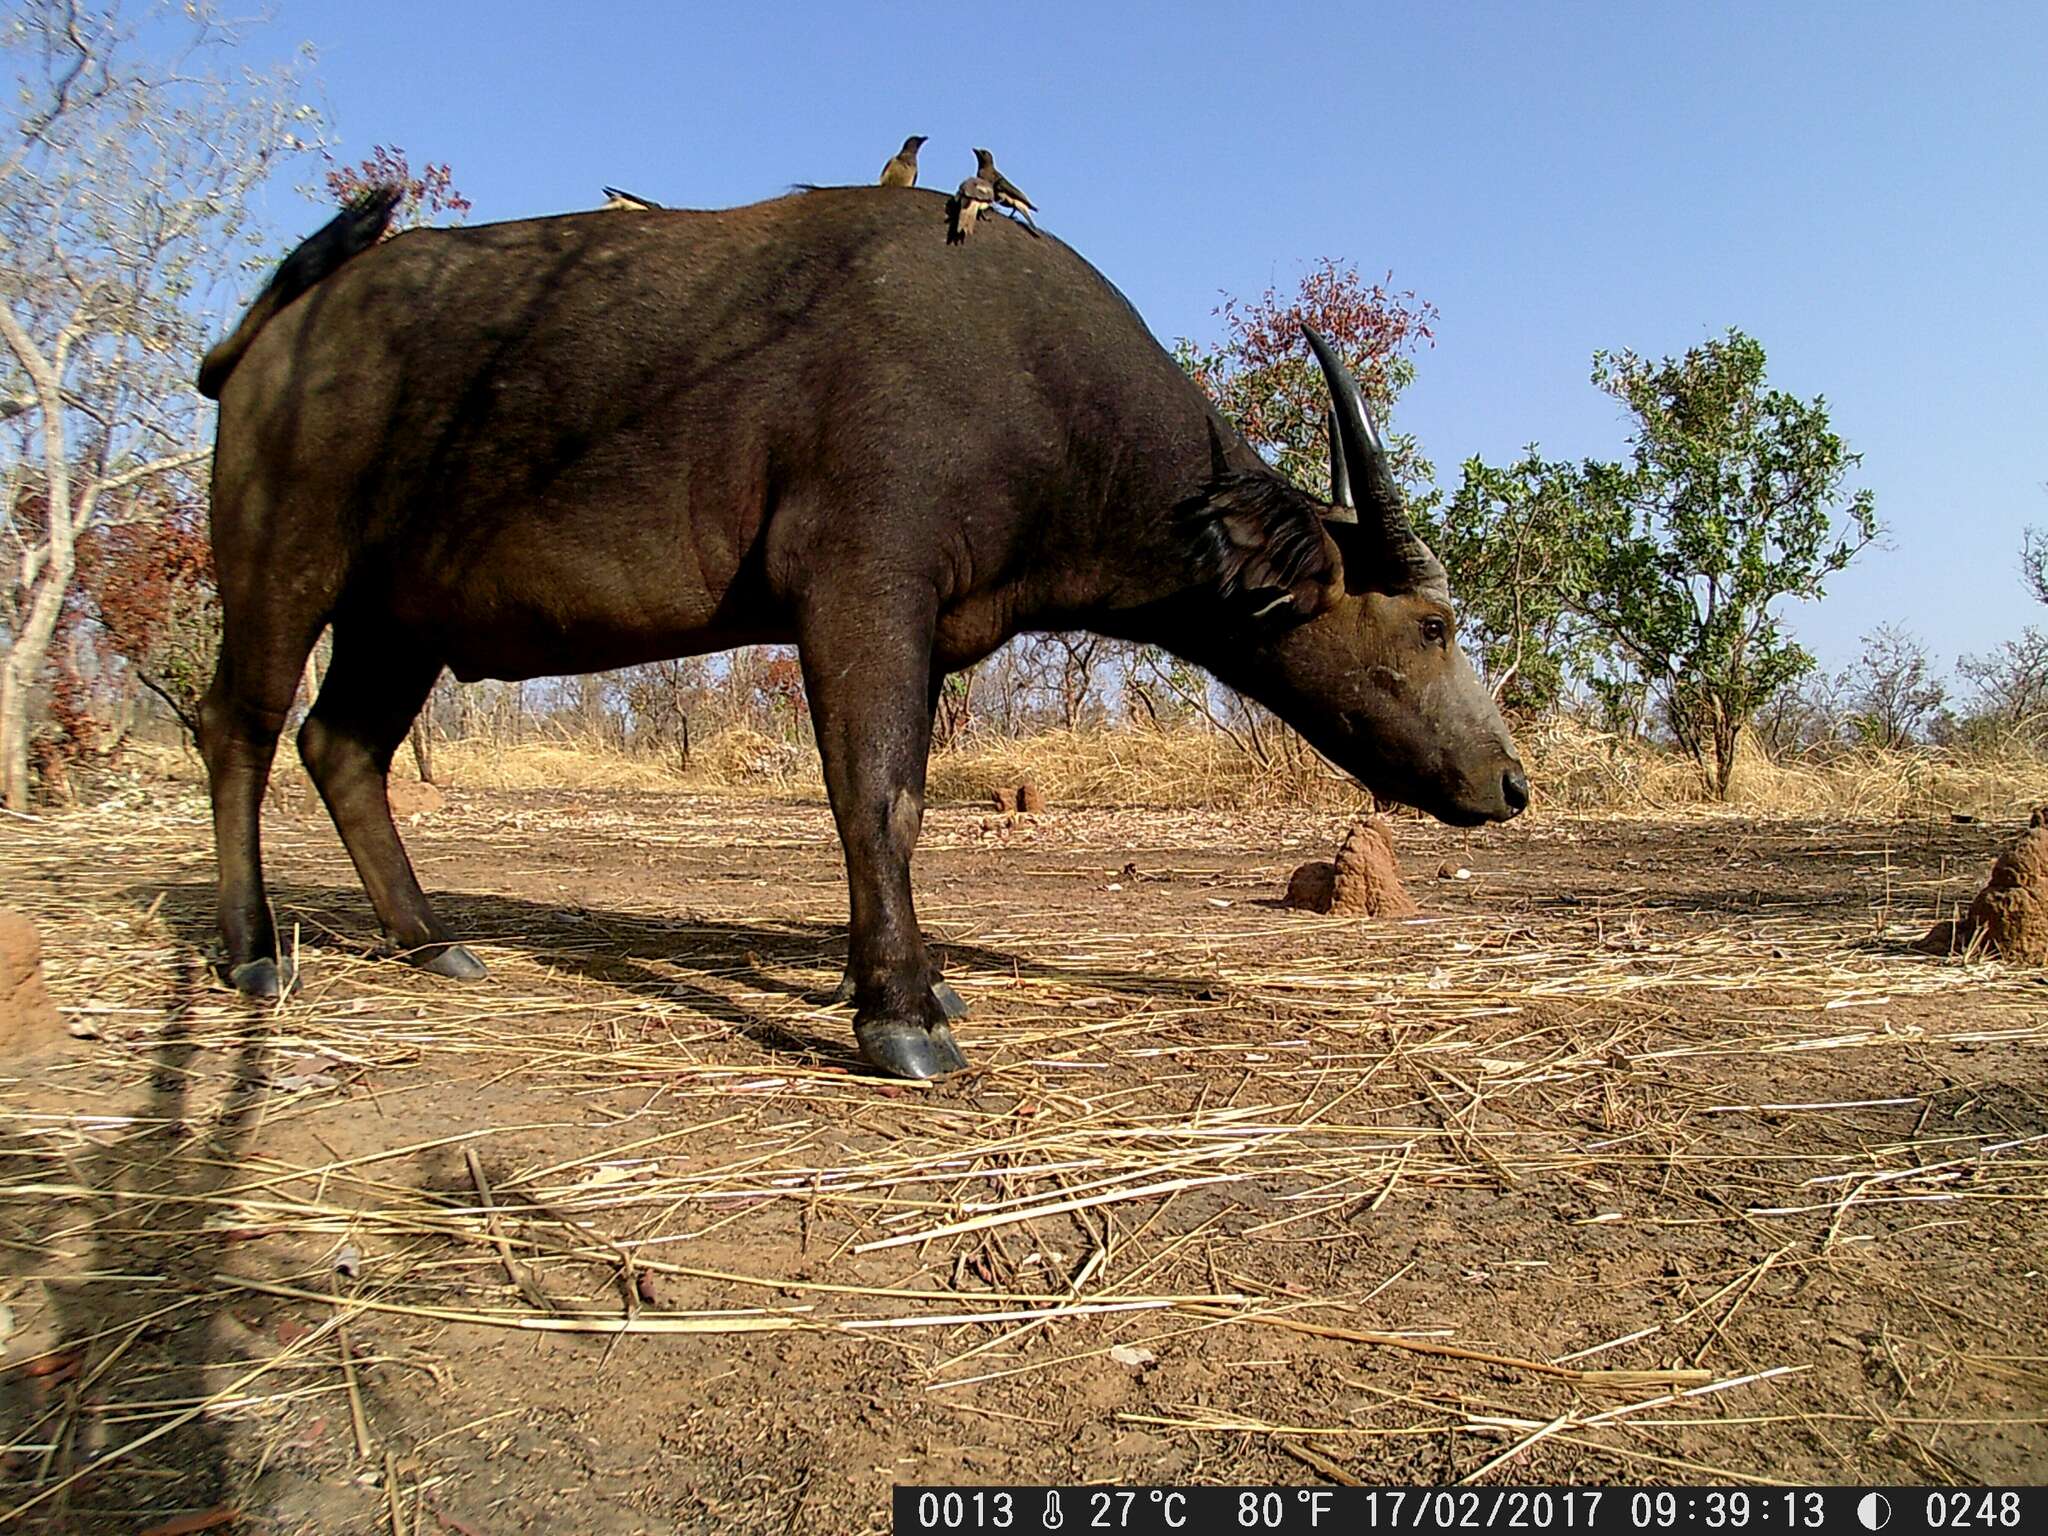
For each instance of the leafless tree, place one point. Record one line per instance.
(1892, 694)
(125, 168)
(1064, 668)
(1805, 715)
(2009, 687)
(662, 697)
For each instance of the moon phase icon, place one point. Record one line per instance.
(1873, 1509)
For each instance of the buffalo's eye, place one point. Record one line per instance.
(1435, 631)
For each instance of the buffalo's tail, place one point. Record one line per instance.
(352, 231)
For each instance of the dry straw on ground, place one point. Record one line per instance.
(1188, 1108)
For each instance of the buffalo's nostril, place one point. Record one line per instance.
(1514, 789)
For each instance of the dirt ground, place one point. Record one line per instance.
(1649, 1152)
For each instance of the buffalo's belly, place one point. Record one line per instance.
(511, 652)
(548, 602)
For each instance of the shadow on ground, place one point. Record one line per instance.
(620, 948)
(142, 1194)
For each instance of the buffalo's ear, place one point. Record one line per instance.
(1263, 547)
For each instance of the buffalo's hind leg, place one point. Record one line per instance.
(367, 704)
(239, 721)
(865, 666)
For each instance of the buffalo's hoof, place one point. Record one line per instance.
(264, 979)
(951, 1002)
(909, 1050)
(450, 960)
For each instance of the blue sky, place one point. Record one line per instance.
(1864, 188)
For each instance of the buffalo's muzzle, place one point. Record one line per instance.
(1514, 789)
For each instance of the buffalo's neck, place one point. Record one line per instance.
(1150, 590)
(1120, 560)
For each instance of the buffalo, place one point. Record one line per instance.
(570, 444)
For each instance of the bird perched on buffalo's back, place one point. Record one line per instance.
(615, 199)
(974, 198)
(901, 171)
(1008, 193)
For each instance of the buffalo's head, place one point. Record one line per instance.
(1352, 638)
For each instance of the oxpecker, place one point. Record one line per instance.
(1008, 193)
(901, 171)
(974, 198)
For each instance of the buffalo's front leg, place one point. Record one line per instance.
(866, 668)
(950, 1002)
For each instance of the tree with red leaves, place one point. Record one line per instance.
(1263, 377)
(430, 195)
(149, 587)
(779, 685)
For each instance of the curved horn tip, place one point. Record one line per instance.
(1358, 439)
(1347, 400)
(1327, 356)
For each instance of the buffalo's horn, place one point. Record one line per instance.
(1356, 455)
(1358, 439)
(1340, 475)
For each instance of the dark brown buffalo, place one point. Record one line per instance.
(576, 443)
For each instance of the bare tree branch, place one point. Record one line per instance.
(146, 471)
(134, 141)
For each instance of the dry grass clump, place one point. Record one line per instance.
(1184, 768)
(1573, 768)
(565, 764)
(735, 758)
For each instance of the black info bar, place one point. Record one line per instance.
(1607, 1511)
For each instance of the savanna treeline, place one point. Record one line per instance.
(1640, 607)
